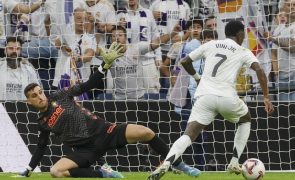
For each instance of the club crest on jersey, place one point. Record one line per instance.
(54, 104)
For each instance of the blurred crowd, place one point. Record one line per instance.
(56, 43)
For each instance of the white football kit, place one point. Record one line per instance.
(216, 92)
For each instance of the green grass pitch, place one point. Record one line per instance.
(169, 176)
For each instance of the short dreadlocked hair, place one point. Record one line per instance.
(232, 28)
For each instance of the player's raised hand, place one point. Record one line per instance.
(111, 54)
(157, 15)
(268, 106)
(177, 28)
(266, 35)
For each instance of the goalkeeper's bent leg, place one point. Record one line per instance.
(136, 133)
(85, 173)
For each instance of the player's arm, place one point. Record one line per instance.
(87, 56)
(263, 83)
(287, 44)
(96, 79)
(38, 154)
(22, 8)
(155, 43)
(187, 62)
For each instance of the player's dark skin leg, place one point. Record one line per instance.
(194, 128)
(245, 118)
(137, 133)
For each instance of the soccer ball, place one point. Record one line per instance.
(253, 169)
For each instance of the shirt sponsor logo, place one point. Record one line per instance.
(54, 117)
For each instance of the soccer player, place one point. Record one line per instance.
(216, 93)
(88, 135)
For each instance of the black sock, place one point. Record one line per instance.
(85, 172)
(161, 147)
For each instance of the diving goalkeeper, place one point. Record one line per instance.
(88, 135)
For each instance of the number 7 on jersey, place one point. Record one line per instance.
(223, 58)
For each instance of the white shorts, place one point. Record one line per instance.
(208, 106)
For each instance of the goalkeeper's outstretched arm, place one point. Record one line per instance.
(95, 80)
(38, 154)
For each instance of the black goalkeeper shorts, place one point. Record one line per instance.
(113, 137)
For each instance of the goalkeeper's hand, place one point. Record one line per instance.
(111, 54)
(26, 173)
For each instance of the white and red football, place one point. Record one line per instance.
(253, 169)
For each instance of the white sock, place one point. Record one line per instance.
(241, 138)
(178, 148)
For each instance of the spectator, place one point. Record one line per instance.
(141, 27)
(9, 7)
(17, 72)
(195, 27)
(279, 23)
(37, 44)
(104, 16)
(285, 44)
(167, 14)
(78, 53)
(210, 23)
(146, 3)
(127, 70)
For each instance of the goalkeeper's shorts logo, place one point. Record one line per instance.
(54, 117)
(111, 128)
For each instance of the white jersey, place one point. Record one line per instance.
(79, 47)
(141, 28)
(174, 12)
(37, 27)
(14, 81)
(103, 12)
(6, 8)
(286, 59)
(127, 72)
(78, 44)
(61, 22)
(224, 58)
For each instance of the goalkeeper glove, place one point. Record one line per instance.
(27, 172)
(111, 54)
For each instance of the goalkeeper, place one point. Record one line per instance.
(88, 135)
